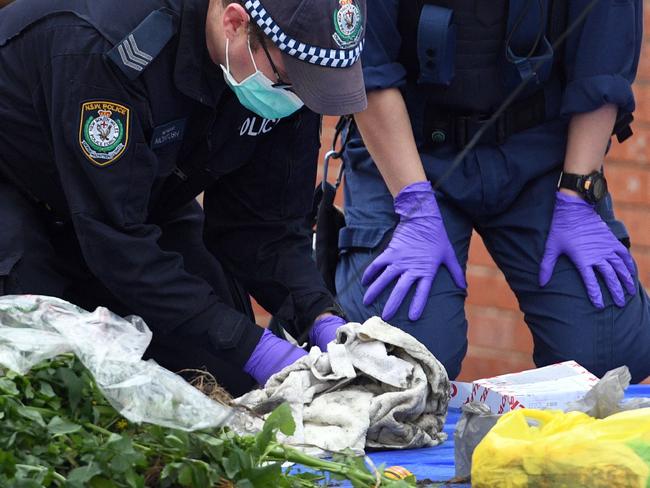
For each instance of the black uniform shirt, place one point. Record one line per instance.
(114, 115)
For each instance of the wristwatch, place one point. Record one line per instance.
(591, 187)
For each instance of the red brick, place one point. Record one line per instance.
(262, 317)
(642, 257)
(635, 149)
(484, 362)
(642, 97)
(487, 287)
(498, 329)
(637, 222)
(478, 254)
(643, 73)
(629, 184)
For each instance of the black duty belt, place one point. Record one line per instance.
(444, 126)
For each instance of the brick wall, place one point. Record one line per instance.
(499, 340)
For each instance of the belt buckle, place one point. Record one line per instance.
(495, 133)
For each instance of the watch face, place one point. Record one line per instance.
(599, 188)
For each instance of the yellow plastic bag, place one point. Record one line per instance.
(543, 448)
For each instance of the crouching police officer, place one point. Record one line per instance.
(532, 187)
(116, 115)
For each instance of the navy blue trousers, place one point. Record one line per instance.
(563, 322)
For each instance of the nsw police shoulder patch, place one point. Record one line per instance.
(104, 131)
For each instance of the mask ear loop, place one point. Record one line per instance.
(251, 53)
(227, 57)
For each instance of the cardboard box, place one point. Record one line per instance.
(551, 387)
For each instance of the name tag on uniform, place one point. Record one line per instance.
(169, 133)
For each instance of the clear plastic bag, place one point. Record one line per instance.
(36, 328)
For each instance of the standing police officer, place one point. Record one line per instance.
(116, 115)
(533, 186)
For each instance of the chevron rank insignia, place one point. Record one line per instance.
(139, 48)
(103, 131)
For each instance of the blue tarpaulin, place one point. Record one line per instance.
(437, 463)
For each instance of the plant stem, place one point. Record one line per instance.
(28, 467)
(284, 453)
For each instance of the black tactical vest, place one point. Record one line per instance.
(480, 81)
(480, 37)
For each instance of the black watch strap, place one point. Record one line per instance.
(571, 181)
(591, 187)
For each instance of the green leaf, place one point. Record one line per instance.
(245, 484)
(185, 475)
(46, 390)
(169, 472)
(84, 474)
(281, 418)
(120, 463)
(74, 384)
(246, 461)
(58, 426)
(200, 474)
(231, 466)
(7, 463)
(214, 446)
(31, 414)
(8, 387)
(134, 480)
(100, 482)
(28, 392)
(267, 475)
(175, 441)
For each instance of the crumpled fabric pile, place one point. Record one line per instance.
(376, 387)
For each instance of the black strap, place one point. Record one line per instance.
(557, 19)
(407, 24)
(327, 218)
(623, 126)
(557, 25)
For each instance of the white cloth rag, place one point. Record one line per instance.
(376, 387)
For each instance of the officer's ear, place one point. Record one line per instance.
(234, 22)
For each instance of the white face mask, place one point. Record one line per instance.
(258, 94)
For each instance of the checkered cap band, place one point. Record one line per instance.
(331, 58)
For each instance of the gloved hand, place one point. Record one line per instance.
(578, 231)
(324, 331)
(418, 247)
(271, 355)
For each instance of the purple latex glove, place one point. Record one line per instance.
(418, 247)
(324, 331)
(271, 355)
(578, 231)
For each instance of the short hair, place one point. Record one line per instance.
(256, 34)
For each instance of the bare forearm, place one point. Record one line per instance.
(589, 134)
(386, 130)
